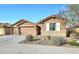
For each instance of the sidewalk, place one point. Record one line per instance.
(35, 49)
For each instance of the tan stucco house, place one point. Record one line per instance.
(51, 26)
(5, 29)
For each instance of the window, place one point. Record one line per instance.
(52, 26)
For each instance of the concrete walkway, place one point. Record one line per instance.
(35, 49)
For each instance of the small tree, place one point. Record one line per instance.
(72, 14)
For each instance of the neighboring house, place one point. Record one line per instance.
(53, 26)
(24, 27)
(5, 29)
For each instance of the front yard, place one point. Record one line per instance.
(20, 45)
(47, 43)
(53, 41)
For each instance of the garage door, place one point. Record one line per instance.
(15, 31)
(28, 31)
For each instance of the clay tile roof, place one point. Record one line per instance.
(52, 16)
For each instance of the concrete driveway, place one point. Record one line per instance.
(12, 38)
(35, 49)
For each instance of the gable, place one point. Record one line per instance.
(27, 24)
(54, 18)
(18, 23)
(22, 23)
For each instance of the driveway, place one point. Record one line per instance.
(35, 49)
(12, 38)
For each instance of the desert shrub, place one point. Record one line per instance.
(73, 42)
(73, 35)
(46, 37)
(29, 38)
(77, 35)
(58, 41)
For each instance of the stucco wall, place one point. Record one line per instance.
(62, 31)
(2, 32)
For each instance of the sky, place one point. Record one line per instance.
(11, 13)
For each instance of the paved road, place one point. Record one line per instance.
(35, 49)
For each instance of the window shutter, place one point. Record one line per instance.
(57, 26)
(47, 26)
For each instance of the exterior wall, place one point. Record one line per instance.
(5, 31)
(62, 31)
(2, 32)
